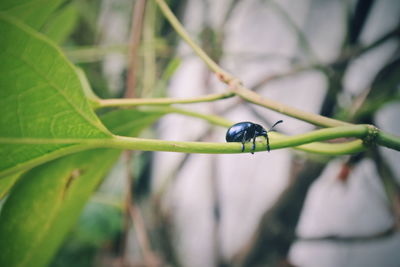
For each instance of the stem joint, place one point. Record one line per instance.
(371, 135)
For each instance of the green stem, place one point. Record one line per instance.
(303, 142)
(216, 120)
(314, 147)
(303, 41)
(388, 140)
(315, 119)
(131, 102)
(278, 141)
(93, 53)
(122, 142)
(331, 149)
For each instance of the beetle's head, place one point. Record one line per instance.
(263, 132)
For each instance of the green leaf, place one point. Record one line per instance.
(32, 12)
(44, 112)
(61, 24)
(45, 201)
(6, 184)
(48, 199)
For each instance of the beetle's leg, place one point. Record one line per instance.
(254, 144)
(244, 140)
(266, 137)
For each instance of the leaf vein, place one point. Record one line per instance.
(61, 93)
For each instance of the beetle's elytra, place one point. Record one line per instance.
(245, 131)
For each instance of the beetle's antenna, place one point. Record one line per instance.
(270, 129)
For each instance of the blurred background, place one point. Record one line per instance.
(284, 208)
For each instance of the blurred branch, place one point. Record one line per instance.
(164, 234)
(132, 208)
(149, 256)
(229, 12)
(84, 54)
(359, 101)
(304, 43)
(389, 181)
(355, 51)
(149, 55)
(267, 79)
(389, 35)
(357, 22)
(130, 102)
(133, 212)
(170, 177)
(133, 65)
(213, 119)
(383, 90)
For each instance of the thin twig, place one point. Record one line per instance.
(359, 101)
(304, 43)
(351, 239)
(271, 77)
(313, 118)
(185, 36)
(149, 256)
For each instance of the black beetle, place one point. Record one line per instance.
(245, 131)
